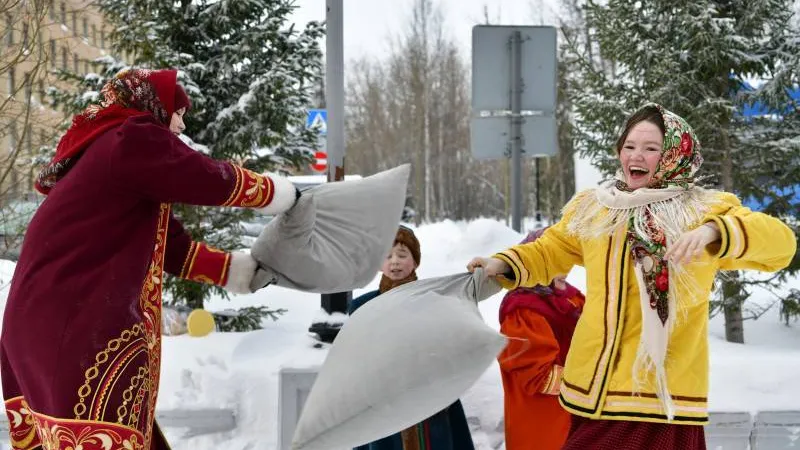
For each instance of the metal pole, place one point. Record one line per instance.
(334, 97)
(538, 196)
(334, 89)
(516, 131)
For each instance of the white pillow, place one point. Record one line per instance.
(402, 357)
(334, 237)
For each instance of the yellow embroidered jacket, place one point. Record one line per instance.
(598, 377)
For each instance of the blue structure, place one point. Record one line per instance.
(759, 109)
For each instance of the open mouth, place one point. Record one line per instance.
(638, 173)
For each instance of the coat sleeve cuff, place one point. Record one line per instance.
(518, 270)
(269, 194)
(553, 384)
(206, 264)
(284, 196)
(240, 273)
(733, 241)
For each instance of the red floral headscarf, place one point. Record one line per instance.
(680, 153)
(131, 93)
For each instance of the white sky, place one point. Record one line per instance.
(370, 24)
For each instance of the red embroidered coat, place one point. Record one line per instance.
(81, 347)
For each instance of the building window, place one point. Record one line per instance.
(53, 54)
(14, 140)
(42, 139)
(12, 82)
(27, 84)
(51, 10)
(64, 58)
(24, 35)
(13, 137)
(94, 35)
(64, 13)
(29, 149)
(29, 140)
(76, 63)
(86, 28)
(103, 39)
(41, 91)
(74, 23)
(86, 67)
(10, 28)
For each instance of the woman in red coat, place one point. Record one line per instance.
(80, 351)
(543, 320)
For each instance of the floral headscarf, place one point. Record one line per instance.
(132, 92)
(680, 154)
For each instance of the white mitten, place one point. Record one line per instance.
(240, 273)
(284, 197)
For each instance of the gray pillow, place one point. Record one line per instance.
(400, 358)
(335, 237)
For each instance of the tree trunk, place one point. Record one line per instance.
(733, 299)
(194, 299)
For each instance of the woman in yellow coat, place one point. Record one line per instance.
(651, 241)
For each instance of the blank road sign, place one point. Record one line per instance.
(490, 137)
(491, 67)
(490, 126)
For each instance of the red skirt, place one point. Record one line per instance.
(622, 435)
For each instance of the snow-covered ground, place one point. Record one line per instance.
(240, 370)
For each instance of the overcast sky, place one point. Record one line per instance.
(370, 24)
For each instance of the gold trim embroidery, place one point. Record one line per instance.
(251, 190)
(150, 304)
(135, 344)
(21, 424)
(189, 261)
(237, 186)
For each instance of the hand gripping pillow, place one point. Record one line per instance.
(402, 357)
(335, 237)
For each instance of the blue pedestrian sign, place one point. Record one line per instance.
(318, 118)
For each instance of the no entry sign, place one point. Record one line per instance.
(320, 163)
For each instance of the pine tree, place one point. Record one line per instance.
(695, 58)
(250, 75)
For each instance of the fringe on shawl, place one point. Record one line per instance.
(588, 218)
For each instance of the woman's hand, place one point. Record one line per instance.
(692, 243)
(491, 266)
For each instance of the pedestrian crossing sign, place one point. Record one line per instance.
(318, 118)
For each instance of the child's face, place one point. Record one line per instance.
(399, 264)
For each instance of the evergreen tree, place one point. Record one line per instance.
(250, 75)
(695, 58)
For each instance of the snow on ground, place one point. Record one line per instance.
(240, 370)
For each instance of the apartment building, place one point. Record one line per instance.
(39, 37)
